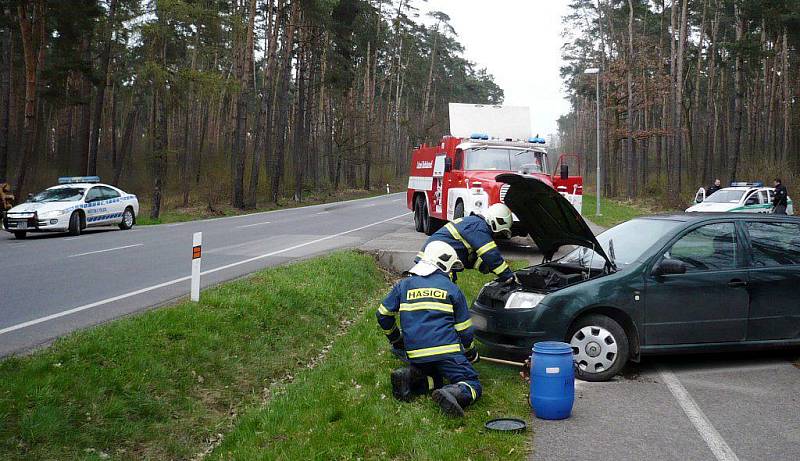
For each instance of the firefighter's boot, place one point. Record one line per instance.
(452, 399)
(408, 383)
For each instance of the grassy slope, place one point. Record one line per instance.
(172, 213)
(344, 410)
(157, 385)
(613, 211)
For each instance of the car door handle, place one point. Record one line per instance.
(735, 283)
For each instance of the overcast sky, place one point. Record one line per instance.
(519, 42)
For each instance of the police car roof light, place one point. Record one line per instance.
(78, 179)
(536, 140)
(483, 136)
(747, 184)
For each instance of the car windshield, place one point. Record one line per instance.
(495, 158)
(725, 196)
(61, 194)
(630, 239)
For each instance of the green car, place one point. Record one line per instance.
(662, 284)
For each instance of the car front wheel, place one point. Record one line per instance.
(128, 219)
(20, 234)
(600, 347)
(75, 224)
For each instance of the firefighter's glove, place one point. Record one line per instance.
(472, 355)
(398, 344)
(513, 280)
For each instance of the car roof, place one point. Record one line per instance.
(704, 216)
(81, 185)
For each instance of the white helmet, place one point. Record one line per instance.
(437, 255)
(498, 217)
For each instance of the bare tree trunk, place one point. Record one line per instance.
(283, 103)
(127, 142)
(631, 160)
(97, 115)
(264, 127)
(245, 96)
(733, 162)
(5, 93)
(34, 61)
(787, 100)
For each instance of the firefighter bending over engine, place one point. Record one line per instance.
(426, 315)
(473, 239)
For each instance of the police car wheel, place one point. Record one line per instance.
(128, 219)
(75, 224)
(599, 346)
(20, 235)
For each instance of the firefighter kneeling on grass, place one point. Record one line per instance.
(426, 315)
(473, 239)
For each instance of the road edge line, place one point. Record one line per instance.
(75, 310)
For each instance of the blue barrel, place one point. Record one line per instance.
(552, 380)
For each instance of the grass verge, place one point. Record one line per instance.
(162, 384)
(613, 211)
(173, 213)
(343, 409)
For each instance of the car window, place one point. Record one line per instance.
(59, 194)
(725, 196)
(707, 248)
(94, 194)
(774, 243)
(752, 199)
(763, 196)
(109, 193)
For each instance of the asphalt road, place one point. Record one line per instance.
(52, 284)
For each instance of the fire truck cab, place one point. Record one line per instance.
(456, 177)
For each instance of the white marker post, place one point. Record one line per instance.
(197, 251)
(387, 188)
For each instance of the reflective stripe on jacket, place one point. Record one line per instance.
(472, 239)
(432, 316)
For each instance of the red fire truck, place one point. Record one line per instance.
(457, 176)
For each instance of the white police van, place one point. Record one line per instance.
(741, 197)
(72, 206)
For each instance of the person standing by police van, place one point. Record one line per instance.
(426, 316)
(781, 199)
(473, 238)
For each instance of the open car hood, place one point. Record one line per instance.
(549, 218)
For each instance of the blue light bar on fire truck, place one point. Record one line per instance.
(482, 136)
(78, 179)
(747, 184)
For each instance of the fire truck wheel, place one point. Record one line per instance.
(458, 212)
(419, 204)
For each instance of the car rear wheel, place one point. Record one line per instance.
(128, 219)
(599, 346)
(419, 225)
(75, 224)
(20, 234)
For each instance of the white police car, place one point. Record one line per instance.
(75, 204)
(740, 198)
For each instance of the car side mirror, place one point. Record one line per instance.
(448, 164)
(669, 267)
(564, 171)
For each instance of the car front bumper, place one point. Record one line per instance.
(20, 224)
(509, 332)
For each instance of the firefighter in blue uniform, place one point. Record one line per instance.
(473, 239)
(426, 315)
